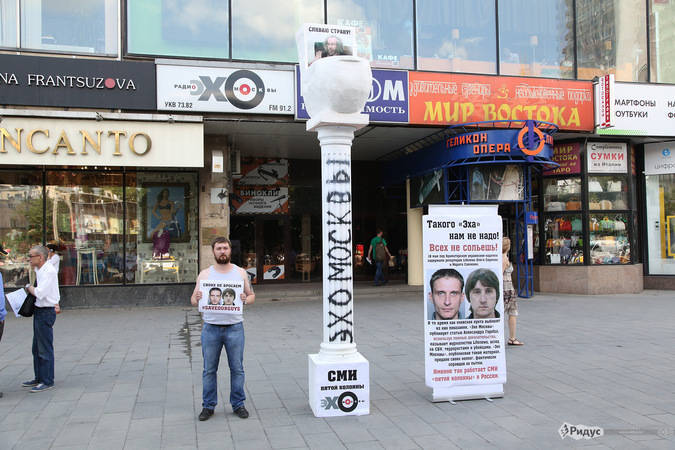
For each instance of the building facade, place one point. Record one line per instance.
(134, 131)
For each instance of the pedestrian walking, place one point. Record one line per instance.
(379, 252)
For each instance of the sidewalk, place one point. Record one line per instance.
(131, 378)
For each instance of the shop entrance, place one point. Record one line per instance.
(259, 245)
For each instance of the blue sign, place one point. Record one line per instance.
(531, 217)
(388, 101)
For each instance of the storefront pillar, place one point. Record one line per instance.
(414, 219)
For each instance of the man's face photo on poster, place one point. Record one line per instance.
(228, 296)
(446, 294)
(214, 296)
(482, 292)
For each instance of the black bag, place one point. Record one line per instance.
(28, 306)
(380, 252)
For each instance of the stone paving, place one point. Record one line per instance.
(131, 379)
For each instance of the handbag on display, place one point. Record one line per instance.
(594, 225)
(576, 225)
(619, 225)
(594, 186)
(594, 205)
(614, 186)
(28, 307)
(573, 205)
(565, 225)
(606, 224)
(555, 206)
(620, 204)
(605, 204)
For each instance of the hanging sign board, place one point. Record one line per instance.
(660, 158)
(607, 157)
(463, 303)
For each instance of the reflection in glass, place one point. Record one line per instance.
(70, 26)
(21, 222)
(562, 194)
(564, 239)
(660, 194)
(609, 243)
(456, 36)
(662, 41)
(497, 182)
(85, 213)
(264, 30)
(198, 28)
(611, 38)
(384, 34)
(8, 23)
(607, 192)
(537, 38)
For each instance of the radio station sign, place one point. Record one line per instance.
(82, 83)
(635, 109)
(387, 103)
(219, 89)
(37, 141)
(448, 99)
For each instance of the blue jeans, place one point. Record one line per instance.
(43, 345)
(379, 275)
(213, 339)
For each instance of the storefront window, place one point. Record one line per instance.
(85, 213)
(497, 182)
(8, 23)
(21, 223)
(264, 30)
(70, 26)
(661, 41)
(564, 239)
(562, 194)
(198, 28)
(456, 36)
(661, 223)
(612, 38)
(161, 240)
(384, 35)
(609, 243)
(608, 192)
(537, 38)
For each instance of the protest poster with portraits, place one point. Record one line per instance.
(221, 296)
(463, 302)
(316, 41)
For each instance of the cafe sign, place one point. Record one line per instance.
(39, 141)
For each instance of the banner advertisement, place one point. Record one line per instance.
(262, 187)
(82, 83)
(427, 189)
(569, 158)
(445, 99)
(222, 297)
(607, 157)
(387, 103)
(660, 158)
(341, 388)
(221, 89)
(637, 110)
(463, 301)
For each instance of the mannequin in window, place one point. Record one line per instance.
(161, 240)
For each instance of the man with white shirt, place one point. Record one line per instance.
(54, 259)
(46, 292)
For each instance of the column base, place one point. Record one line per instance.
(339, 384)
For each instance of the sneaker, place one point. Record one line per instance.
(205, 414)
(40, 387)
(241, 412)
(31, 383)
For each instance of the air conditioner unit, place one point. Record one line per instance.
(235, 162)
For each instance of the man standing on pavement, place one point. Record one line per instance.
(221, 330)
(46, 292)
(380, 253)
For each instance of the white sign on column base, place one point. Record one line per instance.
(339, 388)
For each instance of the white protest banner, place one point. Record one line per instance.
(221, 296)
(463, 303)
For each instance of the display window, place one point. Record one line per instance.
(564, 239)
(609, 243)
(562, 194)
(660, 193)
(108, 227)
(608, 192)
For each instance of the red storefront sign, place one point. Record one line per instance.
(569, 158)
(446, 99)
